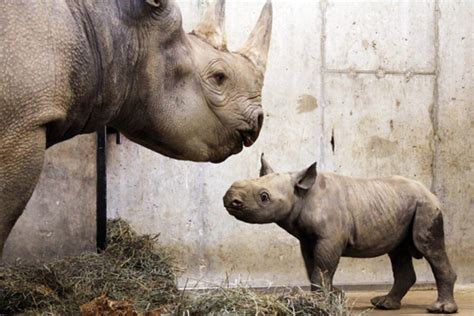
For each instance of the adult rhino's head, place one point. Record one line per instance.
(196, 100)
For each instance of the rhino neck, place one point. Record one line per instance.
(291, 222)
(99, 61)
(115, 51)
(113, 37)
(153, 53)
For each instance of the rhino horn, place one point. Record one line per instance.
(265, 168)
(258, 43)
(212, 28)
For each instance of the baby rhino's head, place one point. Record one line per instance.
(271, 197)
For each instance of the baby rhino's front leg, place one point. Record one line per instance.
(321, 258)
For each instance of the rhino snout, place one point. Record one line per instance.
(232, 201)
(250, 135)
(236, 203)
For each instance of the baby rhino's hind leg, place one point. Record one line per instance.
(428, 236)
(404, 277)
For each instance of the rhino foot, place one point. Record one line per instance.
(445, 307)
(385, 302)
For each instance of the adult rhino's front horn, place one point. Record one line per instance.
(258, 43)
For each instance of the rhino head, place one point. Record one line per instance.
(270, 198)
(199, 101)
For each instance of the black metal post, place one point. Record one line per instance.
(101, 190)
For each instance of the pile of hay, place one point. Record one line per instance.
(136, 275)
(243, 300)
(132, 268)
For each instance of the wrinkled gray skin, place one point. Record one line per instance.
(68, 67)
(334, 216)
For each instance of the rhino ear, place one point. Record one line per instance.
(265, 168)
(258, 43)
(212, 28)
(305, 179)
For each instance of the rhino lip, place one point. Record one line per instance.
(233, 211)
(248, 137)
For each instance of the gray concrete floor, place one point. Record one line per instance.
(414, 303)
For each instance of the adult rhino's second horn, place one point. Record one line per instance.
(212, 26)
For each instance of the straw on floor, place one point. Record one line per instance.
(136, 275)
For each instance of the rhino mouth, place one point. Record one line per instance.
(237, 213)
(249, 136)
(245, 136)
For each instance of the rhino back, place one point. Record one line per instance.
(46, 67)
(376, 214)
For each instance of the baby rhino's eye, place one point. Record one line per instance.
(264, 197)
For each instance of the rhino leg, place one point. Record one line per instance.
(21, 161)
(307, 252)
(326, 255)
(404, 277)
(428, 236)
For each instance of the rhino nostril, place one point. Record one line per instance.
(260, 120)
(236, 203)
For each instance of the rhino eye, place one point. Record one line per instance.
(264, 197)
(220, 78)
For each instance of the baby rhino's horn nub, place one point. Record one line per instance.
(265, 168)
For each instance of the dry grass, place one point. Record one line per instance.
(131, 268)
(136, 269)
(243, 300)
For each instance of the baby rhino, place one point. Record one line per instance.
(334, 216)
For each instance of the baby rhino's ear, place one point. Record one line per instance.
(265, 168)
(305, 179)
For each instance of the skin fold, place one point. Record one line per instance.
(335, 216)
(69, 67)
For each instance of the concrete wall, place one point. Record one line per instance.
(389, 83)
(60, 217)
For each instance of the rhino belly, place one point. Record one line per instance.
(377, 234)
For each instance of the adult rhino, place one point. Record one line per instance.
(69, 67)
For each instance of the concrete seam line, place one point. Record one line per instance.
(434, 113)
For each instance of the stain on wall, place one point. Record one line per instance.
(306, 103)
(381, 147)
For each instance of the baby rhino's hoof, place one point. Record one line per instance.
(443, 307)
(385, 302)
